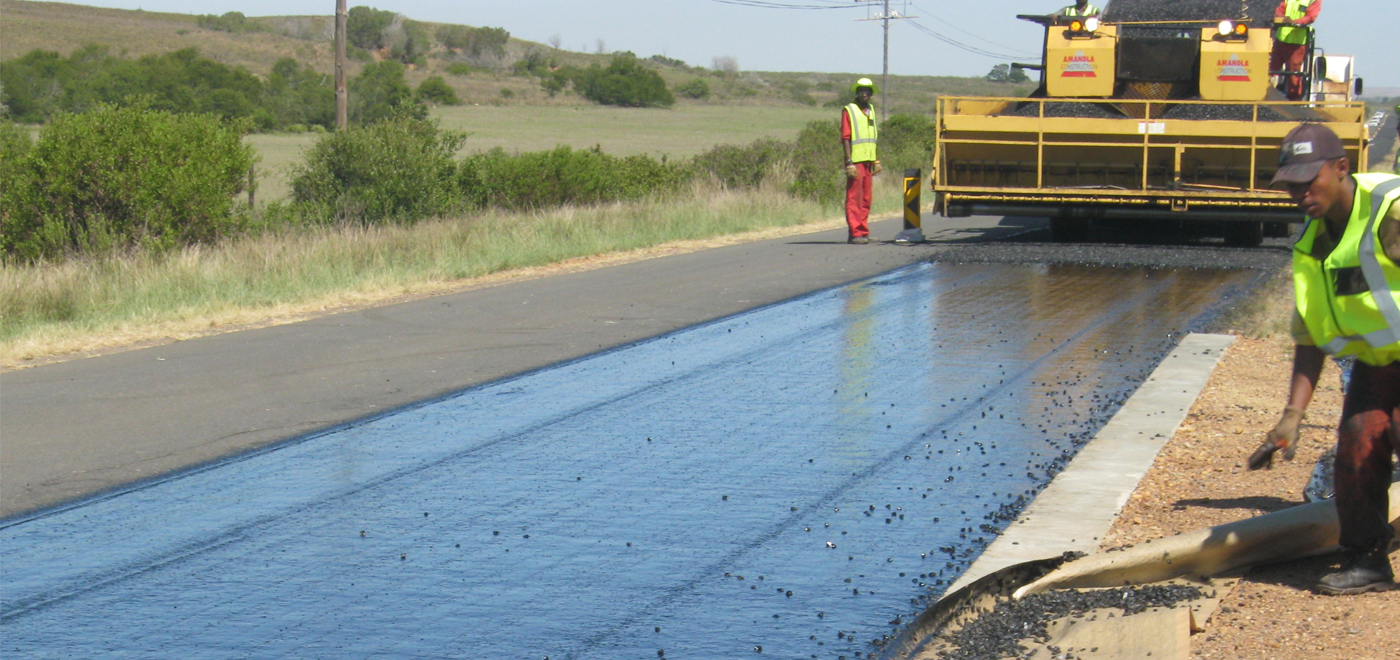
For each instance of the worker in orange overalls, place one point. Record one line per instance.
(858, 136)
(1291, 41)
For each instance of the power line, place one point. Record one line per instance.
(964, 31)
(958, 44)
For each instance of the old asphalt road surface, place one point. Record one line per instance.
(80, 427)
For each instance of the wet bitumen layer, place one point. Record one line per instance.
(789, 481)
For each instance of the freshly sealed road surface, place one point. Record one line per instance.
(786, 482)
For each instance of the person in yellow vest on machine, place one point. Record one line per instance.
(1079, 9)
(858, 136)
(1344, 271)
(1291, 41)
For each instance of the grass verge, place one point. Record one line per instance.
(85, 306)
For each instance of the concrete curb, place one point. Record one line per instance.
(1079, 505)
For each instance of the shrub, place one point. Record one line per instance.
(817, 159)
(408, 42)
(474, 42)
(41, 83)
(797, 90)
(1006, 73)
(398, 170)
(364, 27)
(563, 176)
(294, 95)
(121, 177)
(697, 89)
(233, 21)
(380, 92)
(625, 82)
(745, 166)
(436, 90)
(534, 63)
(907, 140)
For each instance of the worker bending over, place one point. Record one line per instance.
(1343, 269)
(858, 136)
(1291, 41)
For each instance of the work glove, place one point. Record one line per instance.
(878, 168)
(851, 170)
(1283, 437)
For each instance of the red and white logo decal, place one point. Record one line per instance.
(1079, 66)
(1233, 69)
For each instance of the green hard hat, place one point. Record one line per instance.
(865, 82)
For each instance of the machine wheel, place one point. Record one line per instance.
(1068, 230)
(1244, 234)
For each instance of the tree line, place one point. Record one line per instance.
(39, 85)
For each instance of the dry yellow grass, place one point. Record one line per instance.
(142, 299)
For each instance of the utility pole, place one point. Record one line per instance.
(886, 17)
(342, 104)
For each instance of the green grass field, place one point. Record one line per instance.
(677, 133)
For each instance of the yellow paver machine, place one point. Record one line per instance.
(1159, 112)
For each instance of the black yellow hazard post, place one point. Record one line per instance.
(913, 229)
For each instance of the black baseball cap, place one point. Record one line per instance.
(1305, 149)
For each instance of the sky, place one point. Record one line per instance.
(819, 35)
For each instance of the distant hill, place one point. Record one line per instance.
(485, 79)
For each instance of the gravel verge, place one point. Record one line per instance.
(1199, 480)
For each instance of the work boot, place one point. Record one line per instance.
(858, 240)
(1367, 570)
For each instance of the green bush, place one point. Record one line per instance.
(697, 89)
(123, 177)
(380, 92)
(474, 42)
(296, 96)
(408, 42)
(625, 82)
(15, 145)
(817, 160)
(399, 170)
(907, 140)
(535, 63)
(233, 21)
(41, 83)
(744, 166)
(561, 176)
(1007, 73)
(365, 26)
(799, 91)
(436, 90)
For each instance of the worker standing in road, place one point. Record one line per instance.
(1291, 41)
(1079, 9)
(858, 136)
(1343, 267)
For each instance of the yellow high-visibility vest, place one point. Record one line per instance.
(864, 132)
(1073, 10)
(1295, 34)
(1349, 299)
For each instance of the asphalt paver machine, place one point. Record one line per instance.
(1156, 113)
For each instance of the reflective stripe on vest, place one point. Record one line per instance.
(864, 132)
(1073, 10)
(1295, 34)
(1332, 316)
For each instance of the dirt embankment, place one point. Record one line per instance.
(1200, 480)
